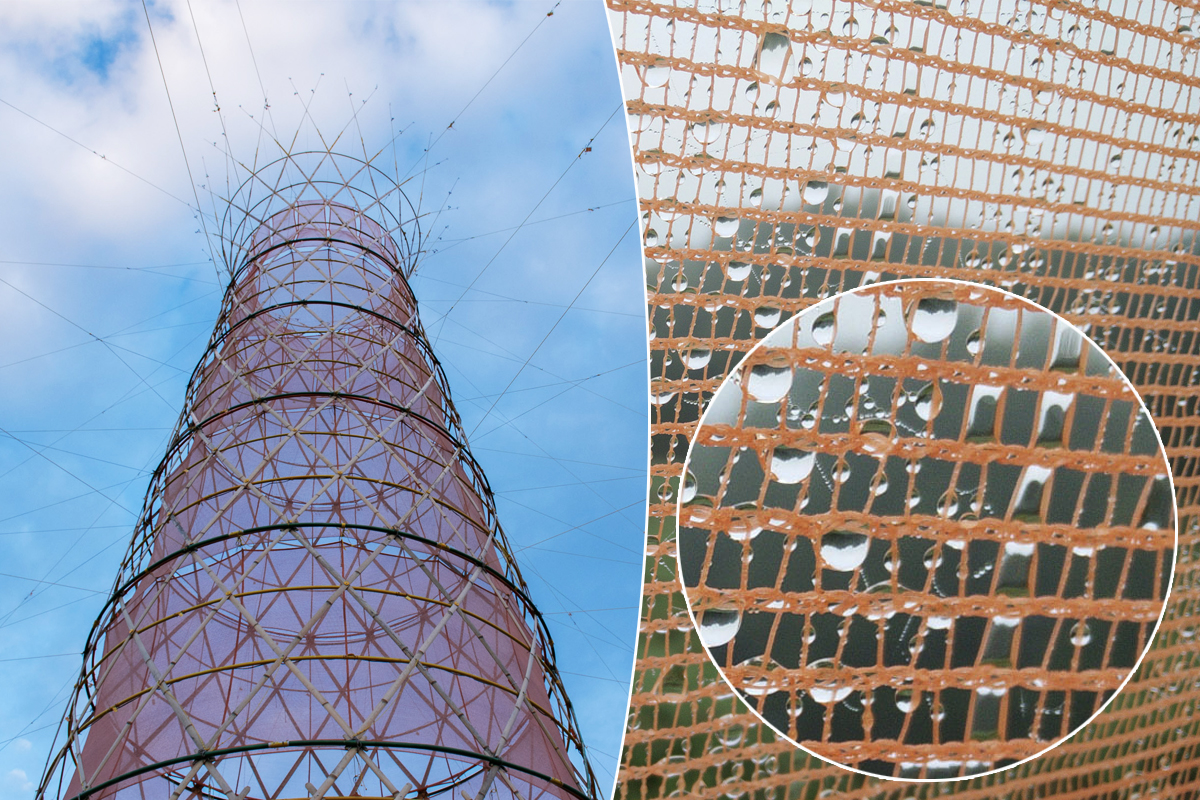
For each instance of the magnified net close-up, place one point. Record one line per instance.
(927, 529)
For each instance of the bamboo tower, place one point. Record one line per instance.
(318, 601)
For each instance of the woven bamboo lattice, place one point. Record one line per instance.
(926, 529)
(788, 152)
(318, 601)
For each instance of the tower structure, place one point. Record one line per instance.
(318, 601)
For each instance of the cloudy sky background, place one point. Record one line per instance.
(108, 292)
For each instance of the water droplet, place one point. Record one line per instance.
(773, 52)
(690, 488)
(829, 691)
(756, 197)
(934, 319)
(707, 132)
(815, 193)
(822, 329)
(737, 270)
(928, 402)
(762, 685)
(725, 227)
(974, 343)
(696, 358)
(1081, 634)
(767, 316)
(844, 551)
(719, 625)
(791, 466)
(904, 700)
(654, 76)
(744, 528)
(768, 383)
(939, 623)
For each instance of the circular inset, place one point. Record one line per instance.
(927, 529)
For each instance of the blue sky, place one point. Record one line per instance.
(108, 292)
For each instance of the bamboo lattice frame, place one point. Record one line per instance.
(318, 601)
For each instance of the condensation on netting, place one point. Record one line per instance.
(926, 529)
(1049, 148)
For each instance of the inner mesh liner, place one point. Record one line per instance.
(1061, 163)
(926, 529)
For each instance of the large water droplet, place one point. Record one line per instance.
(707, 132)
(815, 193)
(656, 75)
(829, 691)
(928, 401)
(769, 384)
(767, 316)
(737, 270)
(822, 329)
(844, 551)
(934, 319)
(791, 466)
(725, 227)
(719, 625)
(690, 488)
(696, 358)
(773, 52)
(1081, 634)
(745, 527)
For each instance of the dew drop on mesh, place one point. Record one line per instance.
(1081, 634)
(822, 329)
(768, 384)
(655, 76)
(827, 692)
(791, 466)
(815, 193)
(762, 685)
(707, 132)
(696, 358)
(773, 52)
(844, 551)
(690, 488)
(767, 316)
(718, 626)
(928, 402)
(934, 318)
(725, 227)
(974, 343)
(743, 529)
(737, 271)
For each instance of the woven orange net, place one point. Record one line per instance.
(926, 529)
(788, 152)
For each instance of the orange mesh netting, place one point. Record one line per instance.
(926, 529)
(319, 601)
(786, 152)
